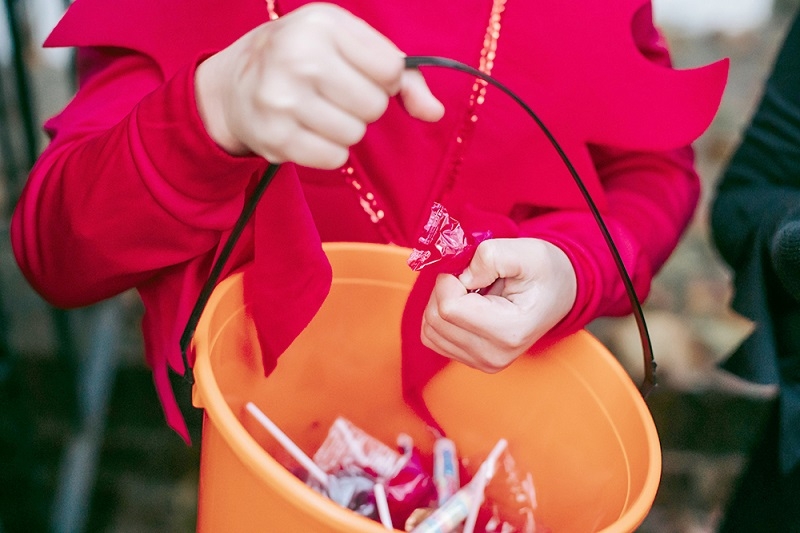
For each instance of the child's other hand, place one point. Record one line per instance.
(533, 286)
(304, 87)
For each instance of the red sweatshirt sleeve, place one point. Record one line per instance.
(651, 198)
(130, 183)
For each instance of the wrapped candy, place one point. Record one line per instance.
(405, 482)
(444, 241)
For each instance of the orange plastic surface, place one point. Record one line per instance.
(572, 416)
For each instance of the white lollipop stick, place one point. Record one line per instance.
(294, 450)
(383, 506)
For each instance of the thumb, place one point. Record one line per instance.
(417, 98)
(481, 271)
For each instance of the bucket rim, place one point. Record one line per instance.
(207, 395)
(636, 510)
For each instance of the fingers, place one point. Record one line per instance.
(464, 327)
(353, 93)
(442, 345)
(487, 317)
(482, 271)
(380, 61)
(372, 54)
(309, 149)
(304, 88)
(467, 346)
(417, 97)
(532, 287)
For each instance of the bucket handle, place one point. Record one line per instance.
(649, 381)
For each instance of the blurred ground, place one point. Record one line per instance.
(146, 478)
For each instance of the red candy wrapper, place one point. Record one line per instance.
(348, 447)
(444, 241)
(350, 450)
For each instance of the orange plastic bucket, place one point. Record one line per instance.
(571, 414)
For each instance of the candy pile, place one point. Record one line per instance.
(391, 485)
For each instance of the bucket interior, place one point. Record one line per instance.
(572, 417)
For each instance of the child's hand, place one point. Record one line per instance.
(533, 286)
(304, 87)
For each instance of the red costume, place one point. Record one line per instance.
(132, 192)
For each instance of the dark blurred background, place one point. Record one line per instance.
(83, 443)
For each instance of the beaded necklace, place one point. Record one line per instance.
(366, 197)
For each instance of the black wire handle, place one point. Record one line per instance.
(649, 361)
(216, 270)
(649, 380)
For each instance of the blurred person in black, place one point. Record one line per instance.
(755, 222)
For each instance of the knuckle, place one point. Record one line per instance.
(355, 133)
(305, 68)
(337, 158)
(448, 310)
(390, 73)
(425, 334)
(487, 362)
(320, 155)
(486, 252)
(373, 108)
(492, 367)
(496, 362)
(281, 146)
(429, 316)
(512, 341)
(323, 15)
(508, 343)
(276, 97)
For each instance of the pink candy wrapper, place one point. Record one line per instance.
(410, 489)
(444, 241)
(347, 447)
(350, 450)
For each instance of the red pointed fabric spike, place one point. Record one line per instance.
(580, 70)
(601, 79)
